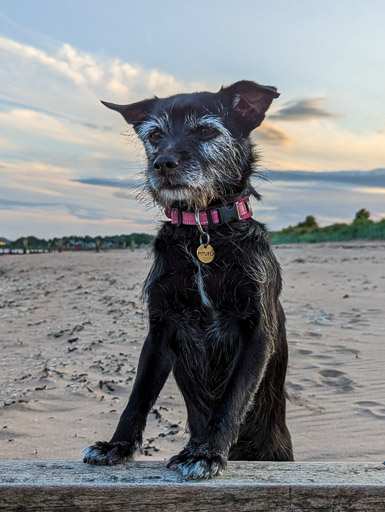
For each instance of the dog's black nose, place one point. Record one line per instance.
(165, 164)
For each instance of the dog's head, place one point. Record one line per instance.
(198, 144)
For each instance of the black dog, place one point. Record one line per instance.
(212, 292)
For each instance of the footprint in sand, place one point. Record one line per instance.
(322, 357)
(301, 401)
(293, 387)
(341, 349)
(304, 352)
(369, 408)
(336, 379)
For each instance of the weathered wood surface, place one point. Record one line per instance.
(149, 486)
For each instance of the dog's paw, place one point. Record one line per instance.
(108, 453)
(198, 465)
(195, 469)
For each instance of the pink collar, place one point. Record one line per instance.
(233, 210)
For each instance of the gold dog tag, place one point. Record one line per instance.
(205, 254)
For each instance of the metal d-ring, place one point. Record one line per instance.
(198, 221)
(202, 231)
(207, 239)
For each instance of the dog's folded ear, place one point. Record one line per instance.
(134, 113)
(250, 102)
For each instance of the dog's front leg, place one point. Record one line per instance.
(155, 363)
(207, 451)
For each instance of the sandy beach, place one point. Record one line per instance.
(72, 327)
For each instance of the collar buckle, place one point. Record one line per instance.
(230, 212)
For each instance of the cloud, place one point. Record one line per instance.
(51, 111)
(329, 201)
(325, 147)
(304, 110)
(272, 135)
(77, 80)
(13, 204)
(82, 212)
(127, 188)
(374, 178)
(129, 194)
(111, 182)
(97, 127)
(64, 167)
(71, 113)
(17, 223)
(75, 210)
(148, 222)
(45, 126)
(46, 200)
(39, 57)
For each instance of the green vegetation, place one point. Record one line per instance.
(362, 228)
(308, 231)
(33, 244)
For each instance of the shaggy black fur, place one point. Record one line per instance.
(219, 326)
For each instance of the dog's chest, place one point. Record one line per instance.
(182, 288)
(198, 289)
(201, 283)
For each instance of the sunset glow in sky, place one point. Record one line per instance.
(65, 159)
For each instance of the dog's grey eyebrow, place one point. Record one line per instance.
(193, 121)
(196, 120)
(161, 122)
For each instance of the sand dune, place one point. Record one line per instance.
(72, 326)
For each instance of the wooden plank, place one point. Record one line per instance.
(150, 487)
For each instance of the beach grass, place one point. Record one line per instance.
(361, 228)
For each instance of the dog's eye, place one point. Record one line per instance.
(155, 136)
(206, 132)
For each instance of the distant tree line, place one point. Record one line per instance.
(362, 227)
(32, 243)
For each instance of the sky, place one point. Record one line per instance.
(69, 166)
